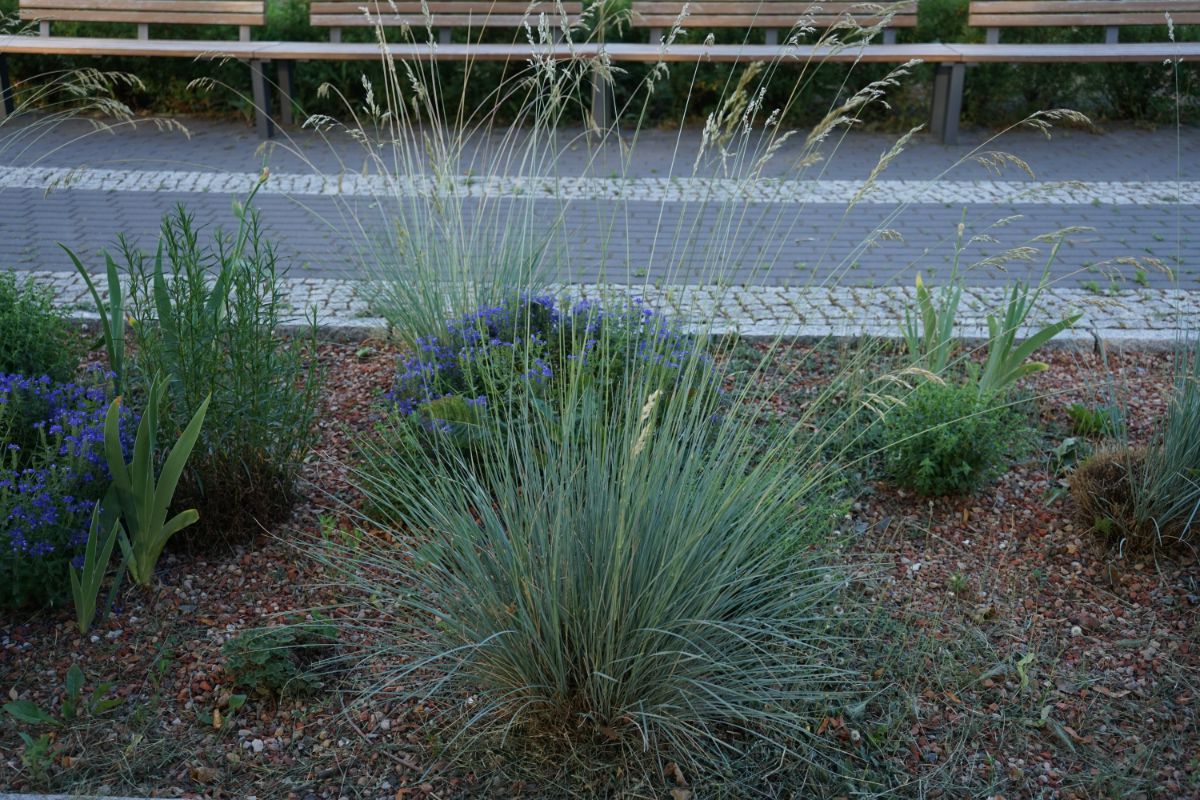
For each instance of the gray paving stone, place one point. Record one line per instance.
(1153, 318)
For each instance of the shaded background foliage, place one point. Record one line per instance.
(996, 94)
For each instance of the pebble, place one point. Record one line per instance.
(257, 745)
(1076, 630)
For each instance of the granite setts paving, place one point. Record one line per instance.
(1151, 318)
(674, 190)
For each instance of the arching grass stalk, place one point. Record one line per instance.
(43, 102)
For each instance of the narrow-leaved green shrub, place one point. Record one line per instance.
(206, 318)
(35, 337)
(945, 438)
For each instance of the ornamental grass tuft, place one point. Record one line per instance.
(631, 570)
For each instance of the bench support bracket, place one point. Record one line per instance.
(262, 99)
(947, 101)
(7, 104)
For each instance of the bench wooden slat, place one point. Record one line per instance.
(419, 21)
(147, 12)
(1079, 53)
(617, 51)
(478, 13)
(368, 51)
(93, 46)
(766, 6)
(446, 6)
(744, 53)
(1078, 20)
(764, 14)
(185, 6)
(1081, 6)
(1080, 13)
(55, 15)
(755, 21)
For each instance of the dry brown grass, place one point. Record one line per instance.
(1104, 490)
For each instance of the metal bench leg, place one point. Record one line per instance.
(601, 101)
(947, 101)
(941, 84)
(7, 104)
(262, 99)
(287, 89)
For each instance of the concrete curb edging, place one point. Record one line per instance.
(1141, 319)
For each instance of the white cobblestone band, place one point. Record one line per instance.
(759, 190)
(1143, 317)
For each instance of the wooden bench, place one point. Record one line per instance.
(444, 15)
(774, 16)
(996, 16)
(242, 14)
(770, 15)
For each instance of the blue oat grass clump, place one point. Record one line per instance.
(52, 472)
(528, 352)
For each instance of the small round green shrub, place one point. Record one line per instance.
(945, 439)
(35, 337)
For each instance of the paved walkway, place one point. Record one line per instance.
(1130, 197)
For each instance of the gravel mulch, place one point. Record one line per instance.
(1018, 656)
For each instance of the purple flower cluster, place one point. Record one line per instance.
(546, 334)
(53, 467)
(44, 513)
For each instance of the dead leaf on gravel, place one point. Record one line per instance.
(204, 774)
(1117, 695)
(982, 613)
(673, 772)
(681, 794)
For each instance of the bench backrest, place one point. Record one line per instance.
(243, 13)
(1109, 14)
(444, 14)
(773, 15)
